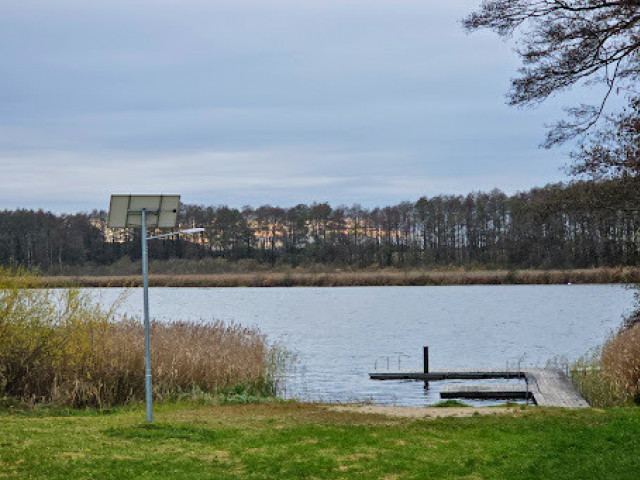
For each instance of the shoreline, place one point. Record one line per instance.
(624, 275)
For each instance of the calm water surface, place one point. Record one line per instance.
(340, 334)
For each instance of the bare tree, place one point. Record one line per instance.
(565, 42)
(613, 150)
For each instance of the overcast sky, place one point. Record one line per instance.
(259, 101)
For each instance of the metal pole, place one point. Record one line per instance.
(425, 358)
(147, 342)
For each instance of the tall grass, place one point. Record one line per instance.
(610, 375)
(64, 347)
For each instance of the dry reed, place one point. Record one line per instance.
(63, 347)
(610, 375)
(359, 278)
(620, 361)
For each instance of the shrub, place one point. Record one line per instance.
(62, 346)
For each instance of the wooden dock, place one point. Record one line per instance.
(547, 387)
(550, 387)
(453, 374)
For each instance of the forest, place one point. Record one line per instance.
(576, 225)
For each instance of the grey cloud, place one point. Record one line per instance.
(280, 101)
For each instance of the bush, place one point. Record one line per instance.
(64, 347)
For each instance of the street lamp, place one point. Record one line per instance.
(145, 283)
(147, 211)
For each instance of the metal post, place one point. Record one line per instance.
(147, 342)
(426, 359)
(425, 353)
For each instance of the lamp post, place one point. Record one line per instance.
(145, 284)
(146, 211)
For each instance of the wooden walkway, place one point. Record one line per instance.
(549, 387)
(447, 374)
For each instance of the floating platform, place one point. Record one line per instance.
(504, 391)
(547, 387)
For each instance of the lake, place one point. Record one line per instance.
(341, 334)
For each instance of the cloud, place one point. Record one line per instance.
(248, 101)
(73, 182)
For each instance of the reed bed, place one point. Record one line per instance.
(296, 278)
(62, 347)
(610, 375)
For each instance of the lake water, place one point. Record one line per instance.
(341, 334)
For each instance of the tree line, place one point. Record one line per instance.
(579, 225)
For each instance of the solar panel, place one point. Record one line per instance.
(126, 211)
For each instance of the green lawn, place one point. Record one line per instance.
(289, 440)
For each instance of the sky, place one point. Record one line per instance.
(253, 102)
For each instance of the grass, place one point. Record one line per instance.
(451, 404)
(295, 441)
(390, 277)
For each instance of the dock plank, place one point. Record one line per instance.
(552, 388)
